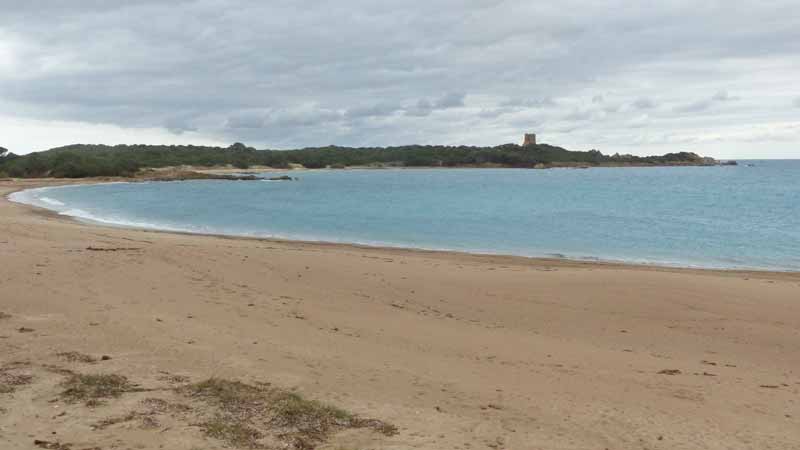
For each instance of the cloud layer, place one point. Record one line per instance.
(718, 78)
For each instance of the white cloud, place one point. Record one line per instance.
(9, 54)
(723, 96)
(28, 135)
(588, 74)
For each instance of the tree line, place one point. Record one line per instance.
(82, 160)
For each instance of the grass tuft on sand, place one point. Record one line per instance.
(9, 382)
(105, 423)
(92, 388)
(246, 414)
(77, 357)
(230, 396)
(292, 410)
(234, 433)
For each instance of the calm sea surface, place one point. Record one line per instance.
(727, 217)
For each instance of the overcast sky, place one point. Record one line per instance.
(721, 78)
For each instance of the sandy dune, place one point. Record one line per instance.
(457, 351)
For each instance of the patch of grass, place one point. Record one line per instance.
(174, 379)
(77, 357)
(115, 420)
(161, 406)
(146, 416)
(246, 413)
(384, 428)
(57, 445)
(92, 388)
(231, 397)
(10, 381)
(146, 420)
(237, 434)
(58, 370)
(156, 404)
(307, 417)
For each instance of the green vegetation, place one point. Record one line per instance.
(246, 414)
(5, 157)
(93, 388)
(79, 161)
(231, 432)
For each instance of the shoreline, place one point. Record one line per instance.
(455, 350)
(509, 258)
(550, 166)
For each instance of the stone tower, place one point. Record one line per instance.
(530, 139)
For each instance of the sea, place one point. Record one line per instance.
(725, 217)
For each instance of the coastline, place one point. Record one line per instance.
(566, 261)
(456, 350)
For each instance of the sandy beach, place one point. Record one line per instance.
(456, 351)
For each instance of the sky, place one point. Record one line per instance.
(720, 78)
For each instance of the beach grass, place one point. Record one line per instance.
(9, 382)
(77, 357)
(235, 433)
(92, 388)
(247, 413)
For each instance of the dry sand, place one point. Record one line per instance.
(457, 351)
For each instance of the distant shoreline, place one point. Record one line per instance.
(188, 173)
(85, 161)
(264, 169)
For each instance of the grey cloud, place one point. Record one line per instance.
(393, 72)
(304, 116)
(179, 125)
(578, 115)
(697, 106)
(374, 110)
(450, 100)
(723, 96)
(493, 113)
(639, 122)
(644, 103)
(246, 120)
(422, 108)
(705, 104)
(544, 102)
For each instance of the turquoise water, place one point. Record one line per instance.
(724, 217)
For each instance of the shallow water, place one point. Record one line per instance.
(724, 217)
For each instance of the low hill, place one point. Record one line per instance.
(79, 161)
